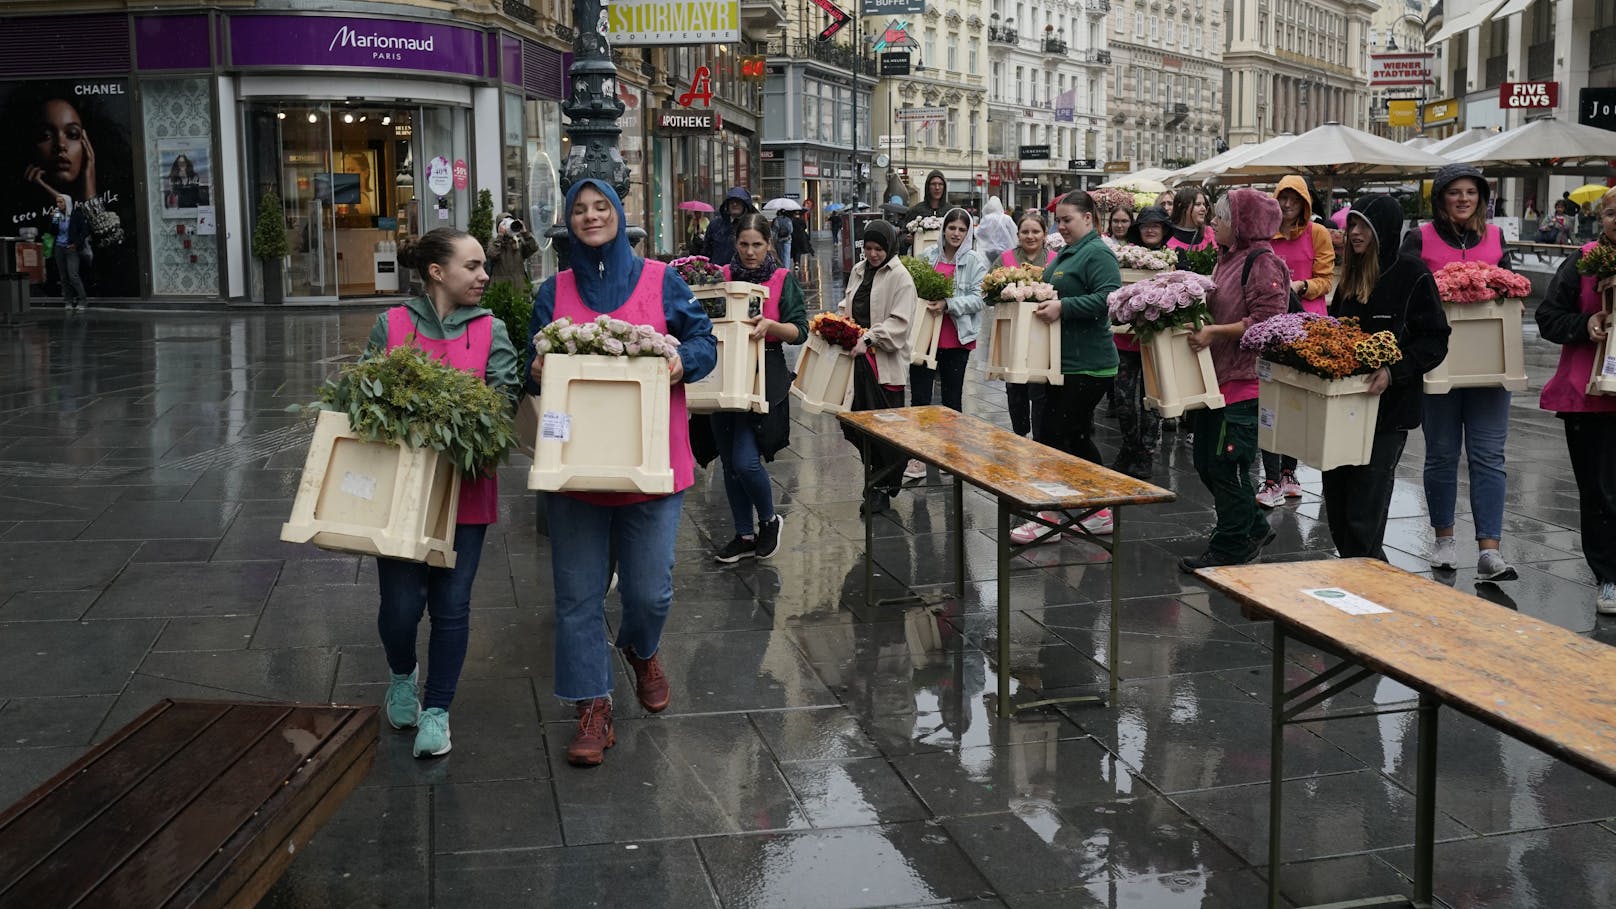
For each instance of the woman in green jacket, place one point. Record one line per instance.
(1084, 272)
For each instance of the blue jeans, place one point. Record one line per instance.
(411, 588)
(1479, 418)
(642, 535)
(746, 481)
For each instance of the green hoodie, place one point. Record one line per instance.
(1084, 274)
(504, 369)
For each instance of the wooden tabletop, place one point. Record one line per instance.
(1535, 681)
(1028, 474)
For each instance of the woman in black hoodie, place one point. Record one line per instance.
(1385, 291)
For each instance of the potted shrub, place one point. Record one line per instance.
(1484, 305)
(1160, 312)
(824, 382)
(393, 436)
(930, 286)
(481, 222)
(269, 246)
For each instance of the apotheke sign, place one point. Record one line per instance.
(322, 42)
(681, 120)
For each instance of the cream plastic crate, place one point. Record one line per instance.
(1135, 275)
(927, 332)
(925, 239)
(1024, 347)
(1177, 378)
(824, 382)
(1602, 380)
(736, 382)
(603, 426)
(1324, 423)
(374, 498)
(737, 297)
(1484, 350)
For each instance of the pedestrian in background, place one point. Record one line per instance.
(719, 243)
(1139, 425)
(1118, 223)
(71, 232)
(995, 232)
(513, 245)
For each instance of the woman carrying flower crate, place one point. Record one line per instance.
(1226, 439)
(746, 439)
(1026, 399)
(1307, 249)
(1139, 425)
(952, 257)
(880, 296)
(1083, 273)
(606, 278)
(1476, 418)
(1386, 291)
(448, 324)
(1573, 316)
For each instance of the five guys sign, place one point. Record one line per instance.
(1529, 94)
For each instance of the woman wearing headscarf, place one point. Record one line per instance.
(1026, 399)
(1476, 418)
(880, 297)
(996, 232)
(1572, 316)
(1139, 425)
(953, 257)
(606, 278)
(1385, 290)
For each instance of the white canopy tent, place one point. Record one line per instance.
(1217, 165)
(1334, 150)
(1547, 143)
(1148, 175)
(1446, 147)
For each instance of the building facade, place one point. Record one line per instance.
(1291, 65)
(1167, 83)
(1398, 27)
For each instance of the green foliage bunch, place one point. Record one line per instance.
(269, 231)
(1201, 261)
(929, 283)
(481, 222)
(513, 306)
(1599, 261)
(408, 398)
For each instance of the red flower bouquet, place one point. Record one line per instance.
(836, 329)
(1478, 282)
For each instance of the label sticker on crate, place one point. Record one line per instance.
(1266, 417)
(1349, 603)
(1609, 368)
(1265, 369)
(556, 426)
(358, 485)
(1056, 490)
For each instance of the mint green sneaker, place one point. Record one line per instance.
(403, 710)
(432, 738)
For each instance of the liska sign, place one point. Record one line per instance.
(1514, 95)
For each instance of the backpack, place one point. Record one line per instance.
(1295, 302)
(782, 229)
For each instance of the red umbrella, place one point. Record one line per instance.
(692, 205)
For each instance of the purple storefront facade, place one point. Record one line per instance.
(365, 129)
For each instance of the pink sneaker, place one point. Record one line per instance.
(1030, 531)
(1289, 486)
(1099, 523)
(1270, 496)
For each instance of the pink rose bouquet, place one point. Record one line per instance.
(697, 270)
(1130, 255)
(1028, 291)
(1110, 199)
(604, 336)
(1478, 282)
(1175, 299)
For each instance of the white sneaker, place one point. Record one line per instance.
(915, 471)
(1445, 554)
(1606, 604)
(1030, 531)
(1270, 495)
(1490, 566)
(1099, 523)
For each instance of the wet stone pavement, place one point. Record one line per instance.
(819, 752)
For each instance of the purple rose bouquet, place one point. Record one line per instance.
(1174, 299)
(1273, 339)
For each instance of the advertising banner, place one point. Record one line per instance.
(644, 22)
(185, 175)
(1399, 69)
(1440, 112)
(1402, 113)
(1529, 94)
(894, 7)
(71, 137)
(326, 41)
(1597, 107)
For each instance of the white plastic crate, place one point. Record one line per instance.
(374, 498)
(1177, 378)
(824, 382)
(1484, 350)
(736, 382)
(1602, 380)
(1324, 423)
(925, 335)
(1024, 347)
(603, 425)
(737, 297)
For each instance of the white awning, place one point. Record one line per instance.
(1511, 7)
(1465, 22)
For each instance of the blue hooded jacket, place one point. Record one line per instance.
(607, 275)
(719, 244)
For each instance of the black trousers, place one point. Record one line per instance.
(951, 363)
(1140, 426)
(1591, 439)
(1068, 422)
(1356, 499)
(870, 394)
(1026, 407)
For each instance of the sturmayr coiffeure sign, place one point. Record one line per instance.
(332, 41)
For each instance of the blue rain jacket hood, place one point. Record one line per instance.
(605, 275)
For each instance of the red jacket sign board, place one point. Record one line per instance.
(1529, 94)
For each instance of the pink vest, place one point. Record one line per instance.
(777, 286)
(643, 307)
(1436, 252)
(479, 496)
(1298, 254)
(1567, 390)
(1174, 242)
(949, 338)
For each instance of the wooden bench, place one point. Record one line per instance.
(194, 803)
(1026, 477)
(1526, 678)
(1545, 252)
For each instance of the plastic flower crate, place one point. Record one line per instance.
(603, 425)
(927, 332)
(927, 238)
(1485, 349)
(1135, 275)
(1602, 380)
(736, 295)
(1024, 347)
(1324, 423)
(736, 382)
(824, 382)
(374, 498)
(1177, 378)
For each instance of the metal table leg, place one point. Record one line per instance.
(869, 525)
(1116, 600)
(1004, 609)
(1276, 767)
(959, 537)
(1425, 802)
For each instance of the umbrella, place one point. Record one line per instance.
(1446, 147)
(1335, 150)
(693, 205)
(1588, 193)
(835, 206)
(1219, 164)
(1419, 142)
(1543, 143)
(782, 204)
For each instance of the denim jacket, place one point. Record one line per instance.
(965, 306)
